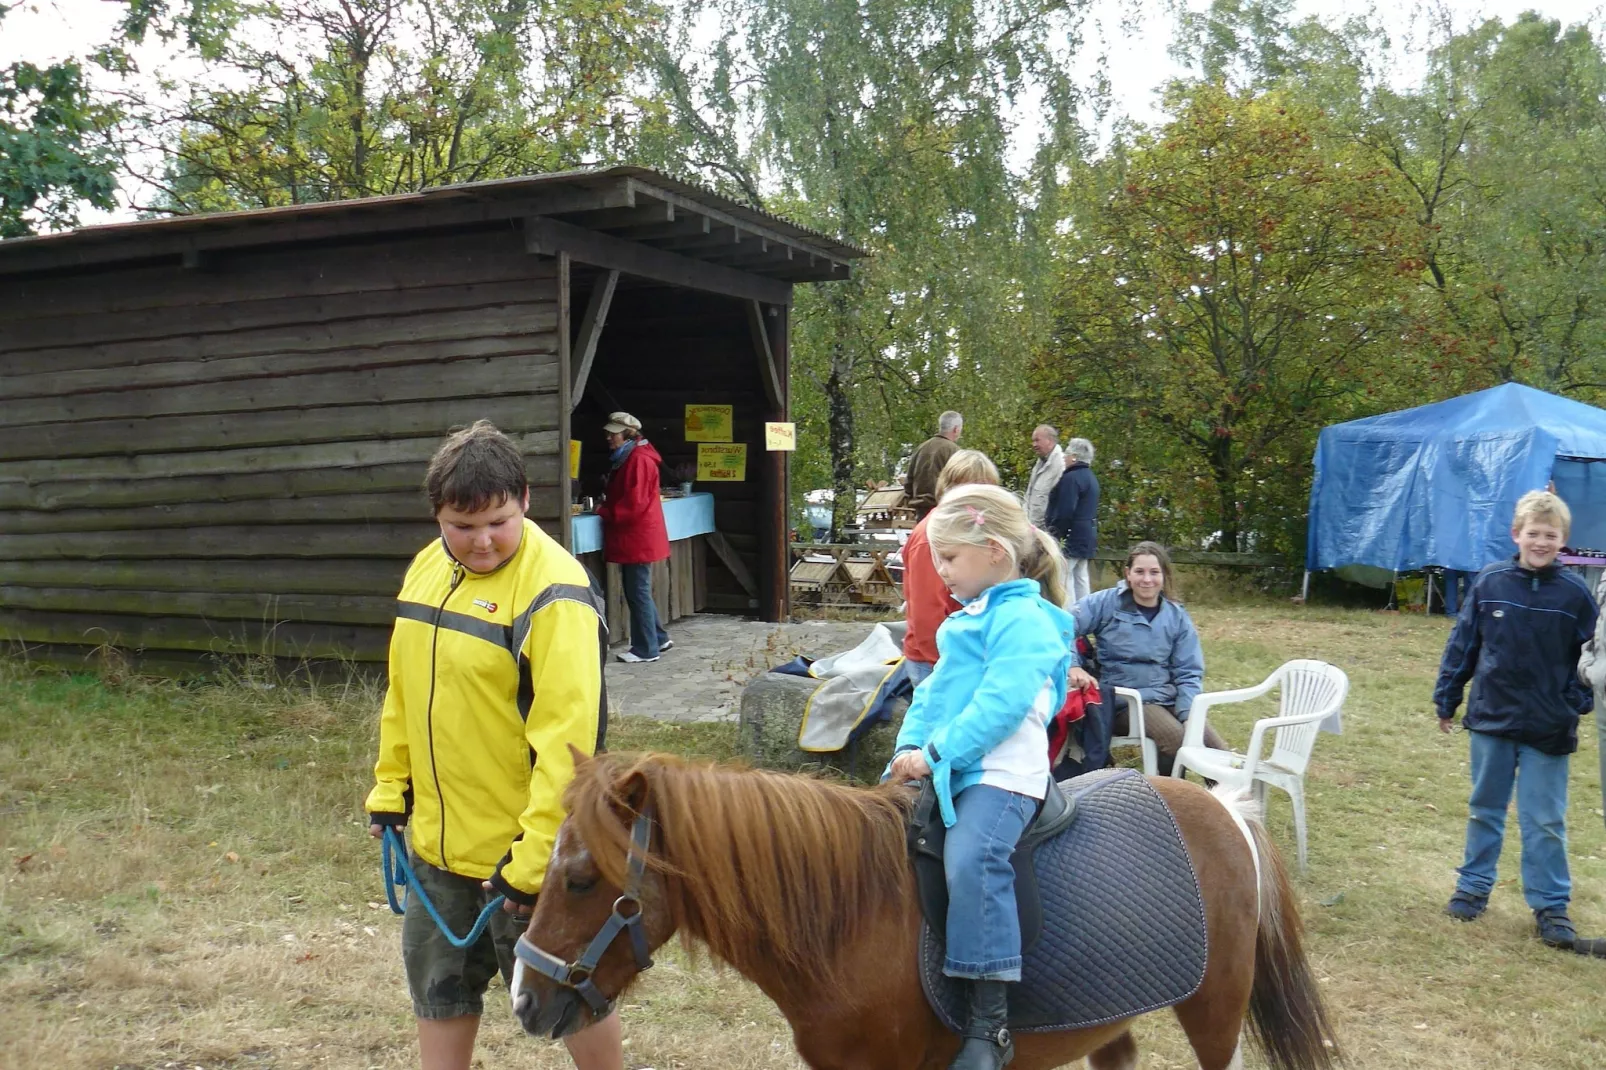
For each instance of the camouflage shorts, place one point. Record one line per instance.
(447, 981)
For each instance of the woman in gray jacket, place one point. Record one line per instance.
(1147, 641)
(1592, 671)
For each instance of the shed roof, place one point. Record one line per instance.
(634, 204)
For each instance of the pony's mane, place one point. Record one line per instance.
(766, 869)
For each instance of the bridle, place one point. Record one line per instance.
(577, 974)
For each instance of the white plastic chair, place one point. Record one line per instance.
(1311, 701)
(1135, 737)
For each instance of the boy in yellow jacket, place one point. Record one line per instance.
(495, 670)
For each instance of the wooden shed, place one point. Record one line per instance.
(213, 429)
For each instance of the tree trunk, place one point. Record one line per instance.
(1221, 462)
(839, 401)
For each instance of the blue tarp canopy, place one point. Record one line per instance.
(1437, 485)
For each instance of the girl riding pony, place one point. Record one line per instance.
(978, 727)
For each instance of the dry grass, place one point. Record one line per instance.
(187, 882)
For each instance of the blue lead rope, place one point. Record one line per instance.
(399, 878)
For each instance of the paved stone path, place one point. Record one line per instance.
(714, 657)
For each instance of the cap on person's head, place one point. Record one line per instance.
(620, 422)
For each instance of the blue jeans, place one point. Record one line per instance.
(646, 634)
(917, 671)
(983, 926)
(1541, 783)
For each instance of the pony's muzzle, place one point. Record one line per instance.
(552, 1018)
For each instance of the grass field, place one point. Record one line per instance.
(187, 882)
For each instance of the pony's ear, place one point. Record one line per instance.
(578, 757)
(632, 789)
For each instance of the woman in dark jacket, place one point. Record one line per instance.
(633, 531)
(1072, 515)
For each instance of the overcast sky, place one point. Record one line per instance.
(1132, 34)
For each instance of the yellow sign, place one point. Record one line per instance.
(725, 461)
(574, 458)
(780, 436)
(709, 423)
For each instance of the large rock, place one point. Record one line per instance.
(772, 713)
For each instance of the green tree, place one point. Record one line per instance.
(1242, 277)
(886, 125)
(54, 155)
(330, 99)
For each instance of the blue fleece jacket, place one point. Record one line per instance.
(994, 657)
(1517, 640)
(1161, 659)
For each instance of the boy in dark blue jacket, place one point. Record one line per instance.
(1517, 640)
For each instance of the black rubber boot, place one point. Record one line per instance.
(988, 1045)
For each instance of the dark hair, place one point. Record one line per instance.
(475, 468)
(1168, 585)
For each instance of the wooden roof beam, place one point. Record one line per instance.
(684, 226)
(718, 235)
(647, 189)
(615, 219)
(548, 237)
(280, 226)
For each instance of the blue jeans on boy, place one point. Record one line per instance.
(646, 634)
(1541, 783)
(983, 926)
(917, 671)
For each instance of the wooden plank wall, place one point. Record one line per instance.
(660, 351)
(230, 459)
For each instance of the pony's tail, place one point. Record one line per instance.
(1286, 1013)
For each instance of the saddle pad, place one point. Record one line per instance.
(1123, 921)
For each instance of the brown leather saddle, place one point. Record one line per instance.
(927, 834)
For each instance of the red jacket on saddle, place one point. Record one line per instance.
(633, 531)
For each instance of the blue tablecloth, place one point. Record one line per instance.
(684, 517)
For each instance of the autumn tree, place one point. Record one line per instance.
(1244, 276)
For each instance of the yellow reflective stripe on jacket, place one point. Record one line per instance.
(492, 677)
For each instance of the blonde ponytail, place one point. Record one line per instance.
(974, 514)
(1046, 565)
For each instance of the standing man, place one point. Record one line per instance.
(495, 685)
(1045, 473)
(920, 488)
(634, 535)
(1073, 509)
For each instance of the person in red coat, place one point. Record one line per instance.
(633, 531)
(927, 601)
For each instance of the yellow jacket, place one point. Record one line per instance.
(492, 676)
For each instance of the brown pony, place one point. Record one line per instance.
(804, 887)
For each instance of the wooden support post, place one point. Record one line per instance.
(565, 404)
(775, 558)
(585, 347)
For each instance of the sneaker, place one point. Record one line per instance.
(634, 659)
(667, 644)
(1555, 927)
(1464, 906)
